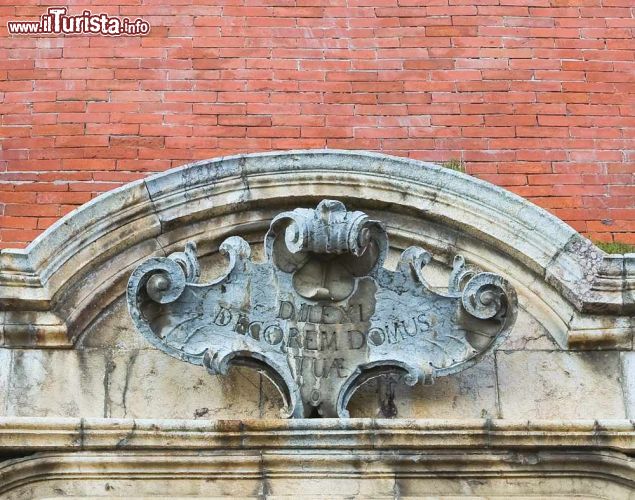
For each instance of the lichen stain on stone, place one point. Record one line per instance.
(108, 371)
(124, 393)
(387, 407)
(201, 412)
(123, 442)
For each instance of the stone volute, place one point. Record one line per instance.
(321, 316)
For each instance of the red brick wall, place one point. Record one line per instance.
(537, 96)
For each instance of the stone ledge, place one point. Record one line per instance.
(27, 435)
(319, 474)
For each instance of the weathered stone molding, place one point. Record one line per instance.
(53, 289)
(28, 435)
(322, 474)
(324, 458)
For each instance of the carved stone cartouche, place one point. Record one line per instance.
(321, 316)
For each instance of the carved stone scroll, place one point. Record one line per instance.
(321, 316)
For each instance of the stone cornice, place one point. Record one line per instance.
(27, 435)
(50, 291)
(319, 473)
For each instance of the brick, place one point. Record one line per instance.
(320, 132)
(134, 141)
(505, 179)
(17, 238)
(537, 91)
(111, 129)
(58, 130)
(288, 143)
(277, 132)
(458, 120)
(80, 142)
(63, 197)
(88, 164)
(451, 31)
(244, 120)
(31, 210)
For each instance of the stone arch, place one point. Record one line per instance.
(52, 290)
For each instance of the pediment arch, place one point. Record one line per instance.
(55, 288)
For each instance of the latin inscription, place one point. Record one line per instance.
(316, 335)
